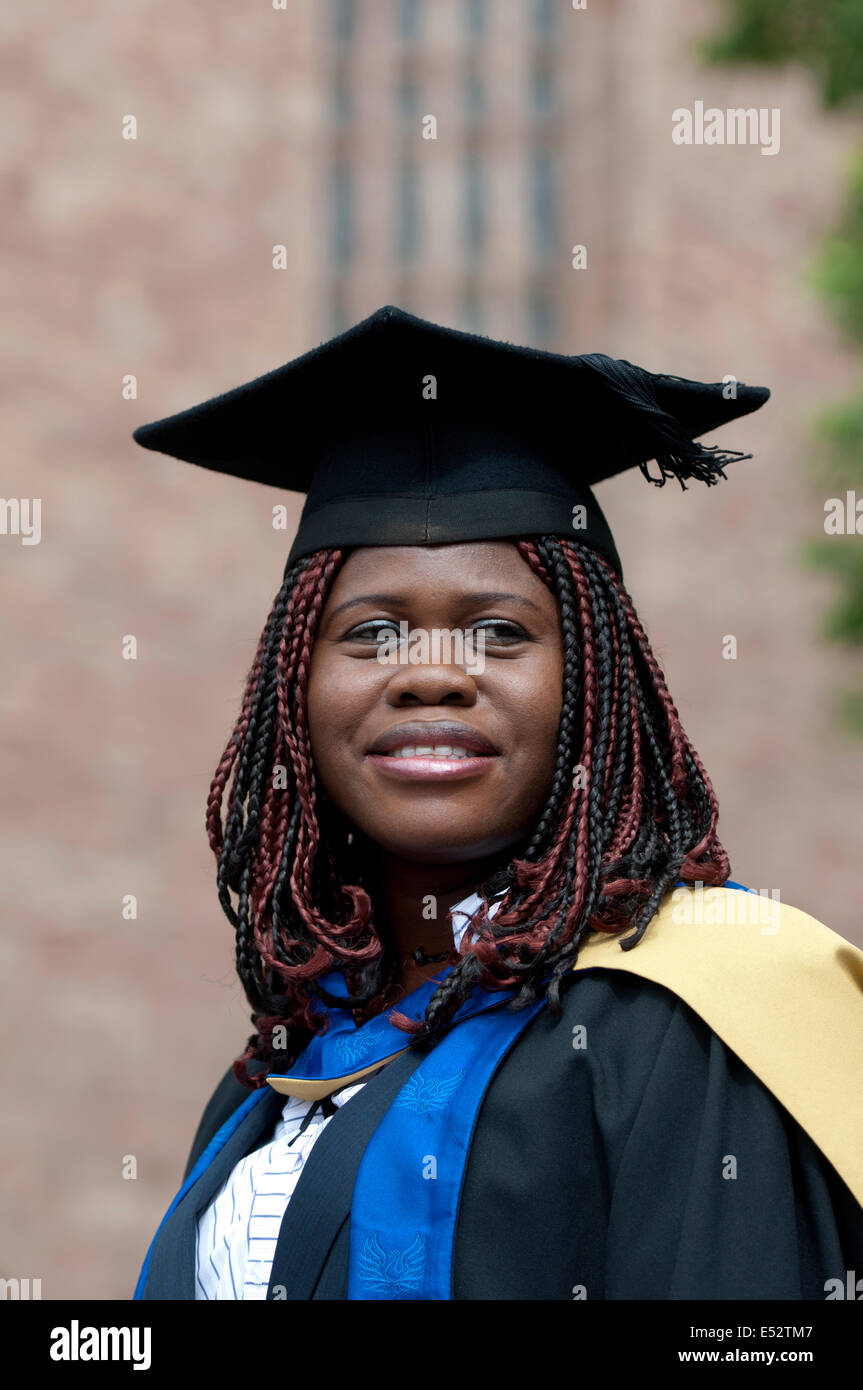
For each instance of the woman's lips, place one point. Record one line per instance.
(431, 751)
(431, 762)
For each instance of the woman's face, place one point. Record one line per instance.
(446, 757)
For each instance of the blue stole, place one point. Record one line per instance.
(405, 1198)
(406, 1193)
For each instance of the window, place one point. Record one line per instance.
(342, 99)
(409, 18)
(542, 87)
(340, 319)
(470, 310)
(474, 210)
(542, 172)
(542, 318)
(344, 19)
(341, 193)
(408, 95)
(408, 210)
(544, 15)
(475, 16)
(474, 93)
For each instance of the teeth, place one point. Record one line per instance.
(440, 751)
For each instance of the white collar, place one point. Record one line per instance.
(463, 912)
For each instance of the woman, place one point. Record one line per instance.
(457, 787)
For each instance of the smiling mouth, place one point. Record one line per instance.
(441, 750)
(443, 763)
(432, 752)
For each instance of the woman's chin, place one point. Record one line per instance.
(429, 844)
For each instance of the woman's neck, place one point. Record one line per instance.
(418, 899)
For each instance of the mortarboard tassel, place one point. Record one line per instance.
(677, 454)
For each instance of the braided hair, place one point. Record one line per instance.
(630, 811)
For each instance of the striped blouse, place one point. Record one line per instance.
(237, 1233)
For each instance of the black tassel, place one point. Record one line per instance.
(677, 455)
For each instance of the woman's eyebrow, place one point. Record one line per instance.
(400, 601)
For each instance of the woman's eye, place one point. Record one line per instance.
(377, 630)
(374, 631)
(499, 630)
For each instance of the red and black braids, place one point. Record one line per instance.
(630, 811)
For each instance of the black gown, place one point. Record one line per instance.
(649, 1164)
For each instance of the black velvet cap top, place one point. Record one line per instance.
(403, 432)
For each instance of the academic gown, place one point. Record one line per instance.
(620, 1151)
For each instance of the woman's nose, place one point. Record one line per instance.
(428, 684)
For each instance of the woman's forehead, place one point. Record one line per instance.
(461, 564)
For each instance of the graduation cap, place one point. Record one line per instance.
(404, 432)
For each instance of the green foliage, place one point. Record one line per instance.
(827, 37)
(840, 430)
(841, 555)
(839, 469)
(839, 270)
(851, 711)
